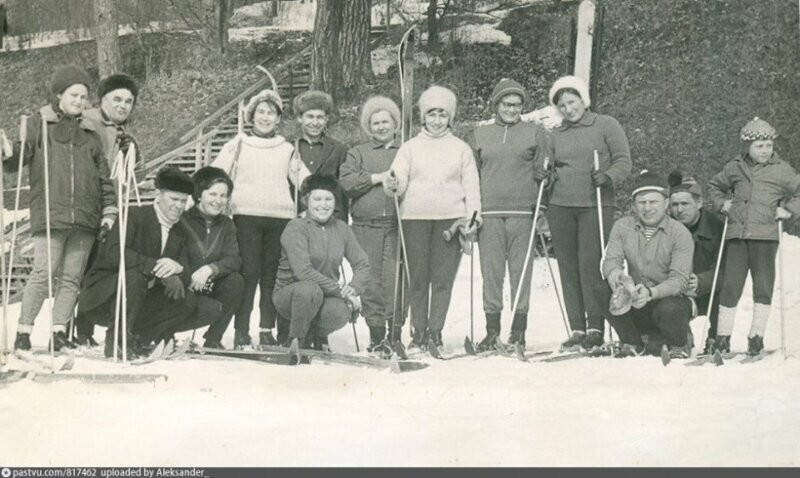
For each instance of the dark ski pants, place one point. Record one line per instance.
(433, 264)
(310, 310)
(228, 291)
(379, 241)
(576, 241)
(260, 248)
(504, 241)
(757, 257)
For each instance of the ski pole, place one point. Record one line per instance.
(23, 138)
(297, 160)
(602, 229)
(783, 287)
(4, 276)
(354, 314)
(555, 285)
(400, 231)
(472, 280)
(46, 156)
(398, 281)
(716, 277)
(521, 281)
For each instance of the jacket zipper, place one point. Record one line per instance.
(505, 130)
(72, 181)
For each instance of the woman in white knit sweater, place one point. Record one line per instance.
(261, 164)
(437, 181)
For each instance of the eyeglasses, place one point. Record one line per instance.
(517, 106)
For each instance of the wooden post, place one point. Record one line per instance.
(584, 38)
(198, 151)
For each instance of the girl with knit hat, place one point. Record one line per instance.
(755, 191)
(362, 176)
(262, 165)
(437, 181)
(81, 200)
(572, 211)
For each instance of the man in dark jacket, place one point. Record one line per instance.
(320, 153)
(686, 205)
(159, 302)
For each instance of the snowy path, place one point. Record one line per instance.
(492, 411)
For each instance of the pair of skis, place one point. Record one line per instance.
(719, 359)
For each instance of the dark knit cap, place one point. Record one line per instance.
(505, 87)
(67, 75)
(116, 82)
(313, 100)
(208, 176)
(173, 179)
(650, 181)
(319, 181)
(680, 182)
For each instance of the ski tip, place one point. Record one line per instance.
(718, 360)
(665, 358)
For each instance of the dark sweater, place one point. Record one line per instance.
(211, 243)
(369, 203)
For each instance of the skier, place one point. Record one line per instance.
(436, 176)
(118, 94)
(212, 248)
(262, 166)
(320, 153)
(362, 175)
(312, 249)
(658, 250)
(686, 206)
(572, 211)
(82, 200)
(755, 191)
(157, 273)
(506, 153)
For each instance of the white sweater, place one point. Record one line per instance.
(260, 172)
(437, 177)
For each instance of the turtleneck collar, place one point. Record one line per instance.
(257, 134)
(427, 134)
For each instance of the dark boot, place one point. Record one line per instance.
(520, 323)
(84, 340)
(283, 330)
(241, 339)
(516, 337)
(60, 341)
(709, 348)
(594, 338)
(213, 344)
(574, 341)
(22, 342)
(492, 332)
(755, 345)
(135, 348)
(265, 338)
(377, 334)
(419, 340)
(722, 344)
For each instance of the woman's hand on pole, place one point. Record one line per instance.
(781, 214)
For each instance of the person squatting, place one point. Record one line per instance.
(280, 215)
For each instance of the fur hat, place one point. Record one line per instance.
(173, 179)
(505, 87)
(67, 75)
(116, 82)
(312, 100)
(650, 181)
(574, 83)
(758, 129)
(208, 176)
(375, 104)
(437, 97)
(319, 181)
(265, 95)
(679, 182)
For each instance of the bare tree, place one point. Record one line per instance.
(436, 11)
(106, 28)
(216, 21)
(340, 60)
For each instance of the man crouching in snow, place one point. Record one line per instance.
(158, 302)
(659, 251)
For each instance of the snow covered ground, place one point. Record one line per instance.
(491, 411)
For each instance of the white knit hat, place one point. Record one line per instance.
(573, 82)
(437, 97)
(265, 95)
(375, 104)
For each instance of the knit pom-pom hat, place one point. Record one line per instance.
(650, 181)
(574, 83)
(313, 100)
(67, 75)
(437, 97)
(506, 87)
(265, 95)
(376, 104)
(758, 129)
(208, 176)
(116, 82)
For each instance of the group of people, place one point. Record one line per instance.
(280, 217)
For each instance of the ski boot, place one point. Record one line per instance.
(678, 352)
(722, 344)
(85, 340)
(593, 338)
(419, 341)
(435, 345)
(517, 337)
(265, 338)
(377, 336)
(60, 341)
(135, 349)
(242, 340)
(22, 342)
(574, 342)
(629, 350)
(709, 347)
(213, 344)
(490, 341)
(755, 345)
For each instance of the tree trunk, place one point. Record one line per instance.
(433, 25)
(340, 59)
(222, 17)
(106, 27)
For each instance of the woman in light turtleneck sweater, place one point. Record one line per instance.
(437, 181)
(261, 165)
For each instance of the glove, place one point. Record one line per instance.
(103, 233)
(173, 288)
(600, 179)
(540, 174)
(125, 141)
